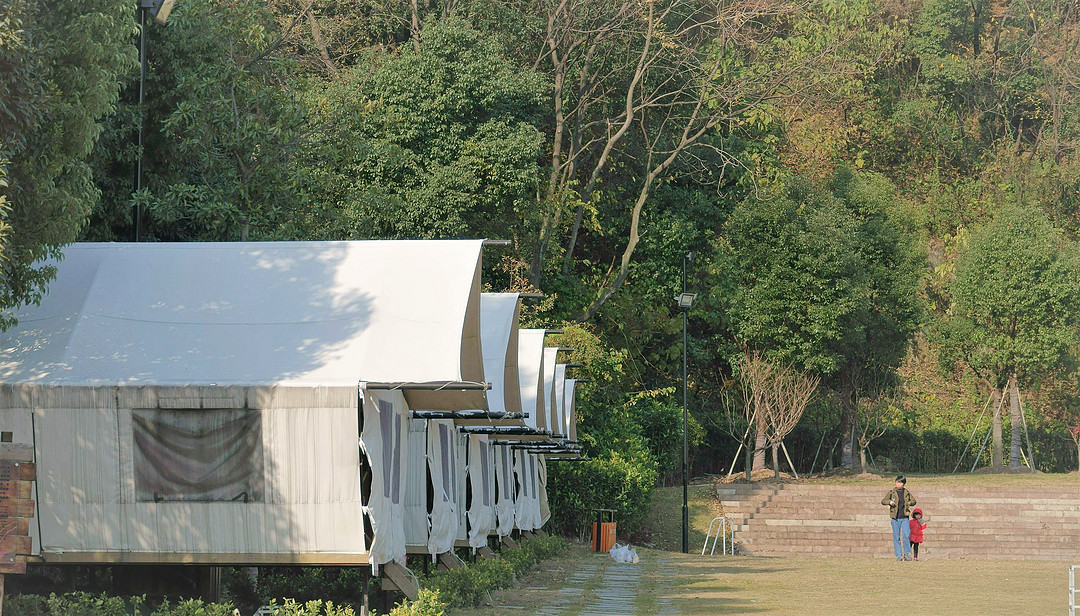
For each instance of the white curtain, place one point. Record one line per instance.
(504, 506)
(384, 442)
(482, 480)
(442, 466)
(545, 512)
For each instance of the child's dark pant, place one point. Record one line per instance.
(915, 549)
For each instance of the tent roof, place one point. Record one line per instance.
(499, 339)
(253, 313)
(530, 379)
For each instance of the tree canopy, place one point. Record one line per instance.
(884, 195)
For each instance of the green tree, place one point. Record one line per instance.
(437, 140)
(223, 127)
(1016, 308)
(61, 61)
(824, 278)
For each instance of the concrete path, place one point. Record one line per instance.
(595, 585)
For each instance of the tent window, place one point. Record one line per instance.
(532, 474)
(485, 472)
(507, 474)
(390, 431)
(198, 454)
(447, 461)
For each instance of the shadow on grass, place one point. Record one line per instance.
(700, 587)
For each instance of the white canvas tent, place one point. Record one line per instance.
(549, 406)
(438, 519)
(530, 371)
(570, 409)
(499, 341)
(558, 420)
(269, 348)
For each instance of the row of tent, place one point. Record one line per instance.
(317, 403)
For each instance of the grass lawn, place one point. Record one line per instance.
(827, 586)
(695, 585)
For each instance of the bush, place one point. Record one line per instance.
(463, 587)
(621, 479)
(429, 603)
(469, 586)
(341, 585)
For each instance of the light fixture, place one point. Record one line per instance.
(686, 300)
(159, 9)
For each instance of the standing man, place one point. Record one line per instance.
(900, 502)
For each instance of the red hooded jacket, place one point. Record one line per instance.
(916, 526)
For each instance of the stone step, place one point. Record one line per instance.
(946, 540)
(968, 522)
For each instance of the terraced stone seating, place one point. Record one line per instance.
(964, 522)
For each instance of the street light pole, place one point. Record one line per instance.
(685, 301)
(144, 8)
(159, 10)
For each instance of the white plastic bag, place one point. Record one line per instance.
(623, 554)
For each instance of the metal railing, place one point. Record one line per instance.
(722, 524)
(1074, 605)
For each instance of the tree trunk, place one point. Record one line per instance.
(759, 446)
(1077, 454)
(414, 26)
(749, 462)
(996, 448)
(847, 425)
(776, 460)
(862, 459)
(1016, 429)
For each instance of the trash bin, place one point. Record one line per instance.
(603, 530)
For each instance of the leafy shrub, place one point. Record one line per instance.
(622, 479)
(462, 587)
(341, 585)
(469, 586)
(429, 603)
(193, 607)
(315, 607)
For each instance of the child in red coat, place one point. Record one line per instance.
(916, 531)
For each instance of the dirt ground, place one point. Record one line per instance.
(705, 585)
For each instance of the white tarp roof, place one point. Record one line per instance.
(499, 339)
(558, 421)
(549, 408)
(254, 313)
(570, 409)
(530, 365)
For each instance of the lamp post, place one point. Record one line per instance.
(685, 301)
(159, 10)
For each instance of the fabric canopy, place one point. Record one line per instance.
(570, 409)
(499, 340)
(547, 410)
(256, 313)
(530, 366)
(558, 424)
